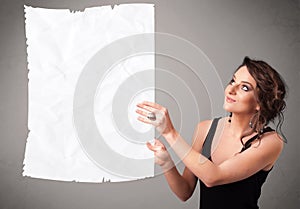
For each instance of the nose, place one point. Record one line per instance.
(232, 89)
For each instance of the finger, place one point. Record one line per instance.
(142, 113)
(146, 117)
(145, 107)
(152, 104)
(151, 147)
(145, 120)
(154, 148)
(157, 148)
(159, 144)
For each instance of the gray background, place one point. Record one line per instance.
(225, 30)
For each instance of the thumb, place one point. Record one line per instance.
(156, 147)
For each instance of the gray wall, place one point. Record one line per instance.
(225, 31)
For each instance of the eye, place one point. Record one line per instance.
(245, 88)
(232, 81)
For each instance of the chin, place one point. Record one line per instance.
(226, 108)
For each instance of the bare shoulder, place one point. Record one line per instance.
(271, 144)
(203, 127)
(206, 123)
(271, 140)
(200, 133)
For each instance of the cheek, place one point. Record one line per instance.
(250, 100)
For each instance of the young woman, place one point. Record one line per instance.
(230, 156)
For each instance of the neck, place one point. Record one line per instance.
(239, 125)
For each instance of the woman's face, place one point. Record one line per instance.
(240, 93)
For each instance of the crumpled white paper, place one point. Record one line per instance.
(61, 44)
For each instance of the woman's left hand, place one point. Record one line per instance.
(162, 120)
(162, 156)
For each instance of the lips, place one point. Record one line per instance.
(230, 100)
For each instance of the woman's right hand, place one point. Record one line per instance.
(162, 120)
(162, 156)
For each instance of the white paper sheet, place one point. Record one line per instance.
(81, 114)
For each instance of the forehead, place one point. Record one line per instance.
(243, 75)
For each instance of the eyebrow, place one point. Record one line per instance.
(244, 82)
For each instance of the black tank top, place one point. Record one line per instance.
(242, 194)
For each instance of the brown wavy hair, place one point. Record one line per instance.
(270, 95)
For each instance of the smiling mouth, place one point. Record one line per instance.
(230, 100)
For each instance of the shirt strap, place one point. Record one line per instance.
(248, 143)
(206, 148)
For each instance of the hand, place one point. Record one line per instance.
(162, 120)
(162, 156)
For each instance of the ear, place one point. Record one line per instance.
(257, 108)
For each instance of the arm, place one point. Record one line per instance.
(182, 185)
(236, 168)
(259, 156)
